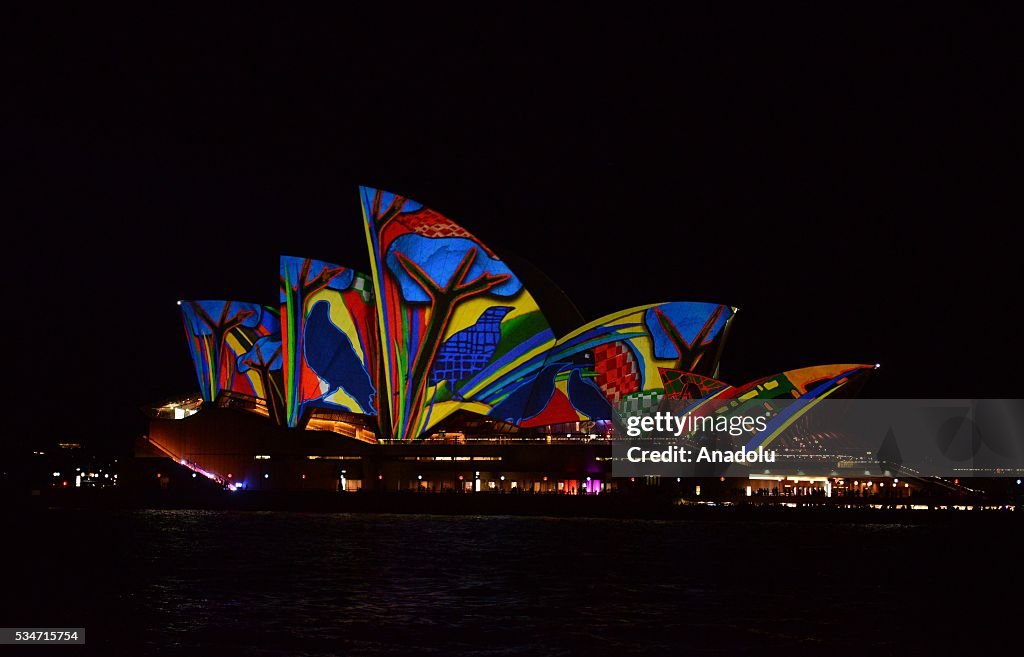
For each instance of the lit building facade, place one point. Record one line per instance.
(437, 370)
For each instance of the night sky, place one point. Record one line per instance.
(850, 181)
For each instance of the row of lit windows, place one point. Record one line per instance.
(266, 457)
(451, 458)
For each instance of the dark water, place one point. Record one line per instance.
(230, 583)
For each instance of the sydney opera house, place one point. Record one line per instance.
(438, 370)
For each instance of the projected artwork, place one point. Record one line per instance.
(262, 365)
(683, 385)
(803, 383)
(454, 317)
(611, 366)
(443, 324)
(329, 338)
(232, 347)
(807, 385)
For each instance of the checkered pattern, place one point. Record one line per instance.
(364, 286)
(432, 224)
(468, 351)
(617, 371)
(640, 403)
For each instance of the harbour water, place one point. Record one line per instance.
(193, 582)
